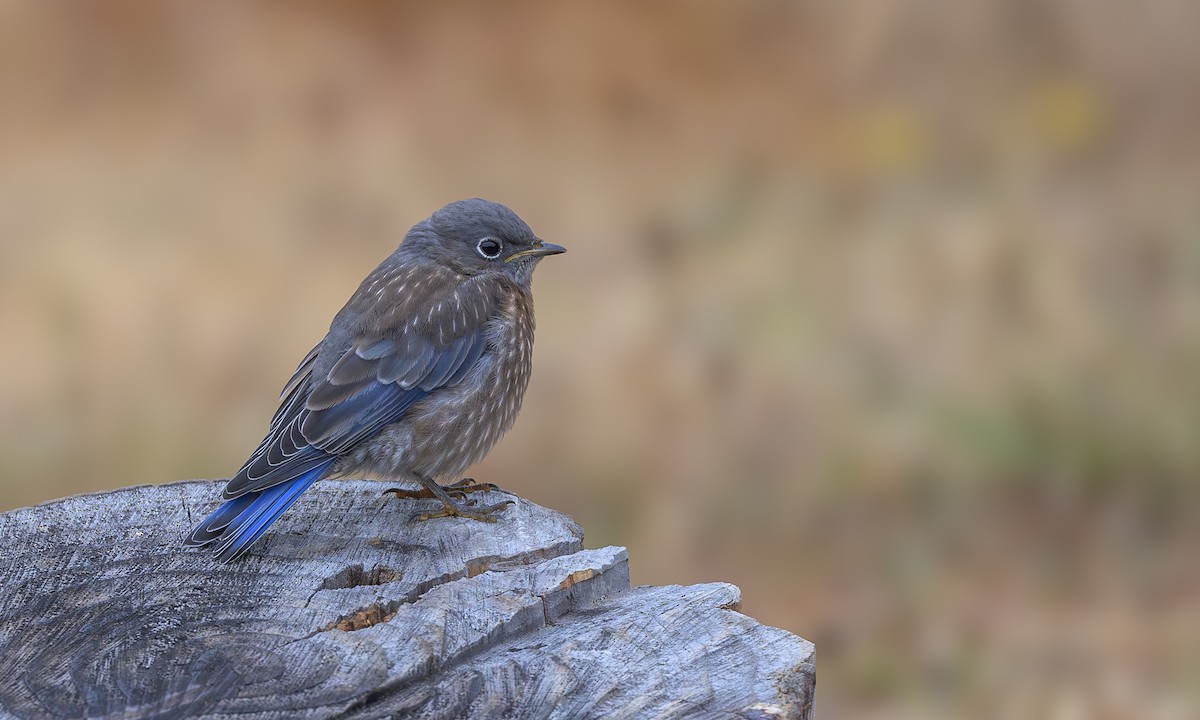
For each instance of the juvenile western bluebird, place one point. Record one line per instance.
(419, 375)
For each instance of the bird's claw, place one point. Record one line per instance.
(421, 494)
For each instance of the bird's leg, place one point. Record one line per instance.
(451, 496)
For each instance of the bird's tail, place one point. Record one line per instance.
(240, 521)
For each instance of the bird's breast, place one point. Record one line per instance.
(455, 427)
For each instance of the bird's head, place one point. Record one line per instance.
(476, 236)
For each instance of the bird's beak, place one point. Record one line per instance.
(542, 248)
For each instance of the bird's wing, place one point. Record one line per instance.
(408, 343)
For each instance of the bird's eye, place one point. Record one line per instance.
(489, 248)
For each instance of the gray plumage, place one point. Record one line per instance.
(419, 376)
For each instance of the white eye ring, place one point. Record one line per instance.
(491, 242)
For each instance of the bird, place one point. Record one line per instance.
(421, 373)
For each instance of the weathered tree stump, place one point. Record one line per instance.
(351, 609)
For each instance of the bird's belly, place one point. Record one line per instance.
(448, 431)
(456, 427)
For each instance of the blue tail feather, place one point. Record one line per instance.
(238, 523)
(213, 525)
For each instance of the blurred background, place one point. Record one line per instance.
(886, 311)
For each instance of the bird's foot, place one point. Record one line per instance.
(468, 485)
(422, 494)
(454, 499)
(458, 490)
(482, 513)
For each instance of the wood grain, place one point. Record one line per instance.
(351, 609)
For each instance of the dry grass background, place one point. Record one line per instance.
(888, 312)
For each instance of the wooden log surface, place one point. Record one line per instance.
(350, 608)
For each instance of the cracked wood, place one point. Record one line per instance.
(351, 609)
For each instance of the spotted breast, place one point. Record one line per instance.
(455, 427)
